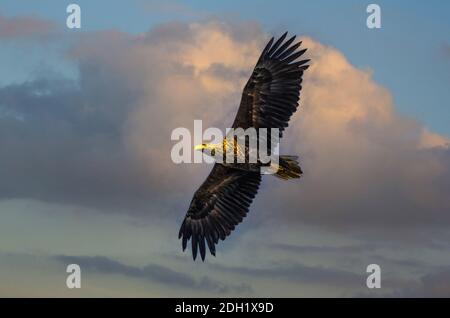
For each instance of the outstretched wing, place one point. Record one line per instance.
(271, 95)
(220, 204)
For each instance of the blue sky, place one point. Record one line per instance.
(407, 55)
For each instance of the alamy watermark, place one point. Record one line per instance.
(374, 279)
(374, 19)
(73, 20)
(74, 278)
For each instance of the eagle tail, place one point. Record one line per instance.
(288, 168)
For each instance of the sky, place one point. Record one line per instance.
(85, 171)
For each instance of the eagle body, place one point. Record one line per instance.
(269, 99)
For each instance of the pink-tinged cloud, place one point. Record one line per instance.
(17, 27)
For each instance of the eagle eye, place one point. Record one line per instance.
(213, 152)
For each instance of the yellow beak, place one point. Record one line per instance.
(200, 147)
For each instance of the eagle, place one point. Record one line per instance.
(268, 100)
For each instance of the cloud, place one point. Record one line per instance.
(365, 166)
(298, 273)
(104, 139)
(59, 148)
(433, 285)
(152, 272)
(429, 140)
(320, 248)
(19, 27)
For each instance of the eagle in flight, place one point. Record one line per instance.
(269, 99)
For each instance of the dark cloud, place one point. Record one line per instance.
(63, 143)
(433, 285)
(359, 255)
(299, 273)
(396, 199)
(417, 265)
(321, 249)
(154, 273)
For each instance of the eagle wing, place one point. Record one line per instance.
(271, 95)
(220, 204)
(269, 99)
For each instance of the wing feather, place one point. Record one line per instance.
(272, 93)
(217, 207)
